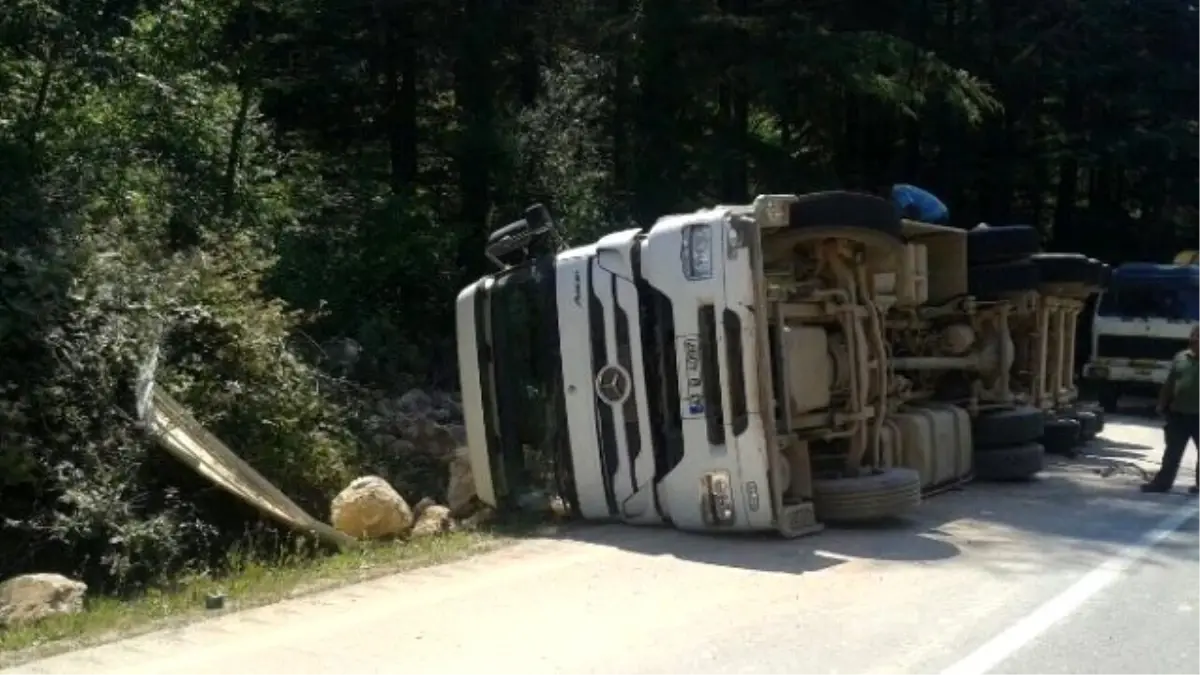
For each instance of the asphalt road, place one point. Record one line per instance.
(1077, 572)
(1159, 596)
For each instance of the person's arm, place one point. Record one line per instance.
(1168, 390)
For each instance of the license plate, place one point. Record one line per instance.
(692, 372)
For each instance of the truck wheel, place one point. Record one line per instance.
(1109, 398)
(1000, 428)
(1089, 425)
(877, 496)
(1067, 268)
(1001, 244)
(987, 282)
(836, 210)
(1097, 410)
(1061, 436)
(1016, 462)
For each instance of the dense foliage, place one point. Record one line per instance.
(241, 181)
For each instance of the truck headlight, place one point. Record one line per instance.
(697, 252)
(716, 498)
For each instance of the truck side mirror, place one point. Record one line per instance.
(511, 244)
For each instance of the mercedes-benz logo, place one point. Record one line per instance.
(612, 384)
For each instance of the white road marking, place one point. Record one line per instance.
(1016, 636)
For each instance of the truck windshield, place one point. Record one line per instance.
(528, 431)
(1150, 301)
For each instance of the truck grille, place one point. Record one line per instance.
(610, 434)
(662, 378)
(1138, 347)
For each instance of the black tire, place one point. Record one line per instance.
(878, 496)
(1095, 409)
(1015, 426)
(1089, 425)
(1001, 244)
(1066, 268)
(1061, 436)
(1016, 462)
(988, 282)
(1109, 398)
(836, 210)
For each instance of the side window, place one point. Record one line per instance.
(1149, 302)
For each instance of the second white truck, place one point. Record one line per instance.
(1141, 323)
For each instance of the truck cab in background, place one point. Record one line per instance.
(1141, 323)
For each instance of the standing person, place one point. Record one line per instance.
(1179, 402)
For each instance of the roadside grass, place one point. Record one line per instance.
(248, 583)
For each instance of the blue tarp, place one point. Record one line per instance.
(1150, 290)
(1140, 272)
(915, 203)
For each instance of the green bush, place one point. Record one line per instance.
(227, 360)
(72, 484)
(83, 487)
(90, 288)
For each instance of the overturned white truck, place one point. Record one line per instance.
(771, 366)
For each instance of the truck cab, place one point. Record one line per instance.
(1141, 322)
(629, 366)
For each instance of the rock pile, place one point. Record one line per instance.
(370, 508)
(429, 424)
(418, 423)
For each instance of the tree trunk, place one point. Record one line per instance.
(237, 139)
(476, 152)
(399, 57)
(619, 124)
(1065, 202)
(49, 70)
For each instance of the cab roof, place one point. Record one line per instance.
(1154, 272)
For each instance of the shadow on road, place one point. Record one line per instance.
(900, 540)
(1075, 513)
(1145, 451)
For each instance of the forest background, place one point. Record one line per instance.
(249, 184)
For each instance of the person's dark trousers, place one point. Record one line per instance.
(1180, 429)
